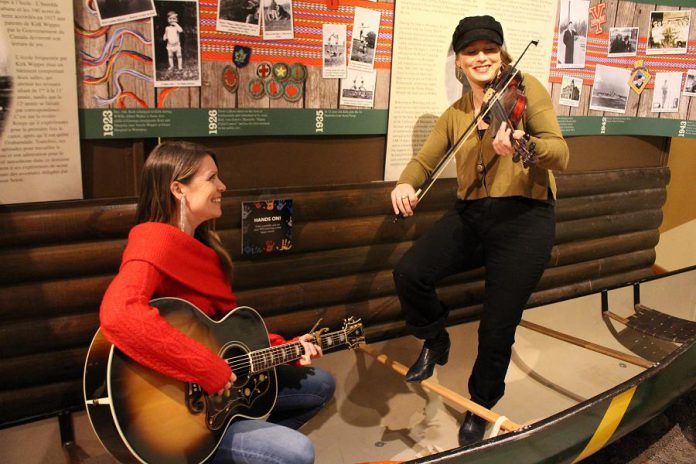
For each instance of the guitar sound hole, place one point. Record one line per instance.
(237, 358)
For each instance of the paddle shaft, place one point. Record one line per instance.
(446, 393)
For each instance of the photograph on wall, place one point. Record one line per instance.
(176, 44)
(571, 89)
(690, 83)
(669, 32)
(5, 79)
(120, 11)
(364, 39)
(334, 51)
(640, 77)
(277, 20)
(610, 89)
(667, 92)
(266, 226)
(572, 34)
(623, 41)
(239, 17)
(358, 89)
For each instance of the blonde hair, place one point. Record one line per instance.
(169, 162)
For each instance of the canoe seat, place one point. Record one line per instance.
(660, 325)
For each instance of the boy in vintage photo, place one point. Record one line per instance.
(171, 37)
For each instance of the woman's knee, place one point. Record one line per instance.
(259, 442)
(407, 273)
(325, 384)
(302, 451)
(290, 447)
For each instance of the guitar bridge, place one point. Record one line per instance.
(194, 398)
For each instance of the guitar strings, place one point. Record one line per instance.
(243, 363)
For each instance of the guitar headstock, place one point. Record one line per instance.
(355, 335)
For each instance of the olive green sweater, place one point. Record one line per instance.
(503, 177)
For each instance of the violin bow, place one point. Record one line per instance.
(485, 109)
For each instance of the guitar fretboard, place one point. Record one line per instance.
(267, 358)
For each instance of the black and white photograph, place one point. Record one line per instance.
(239, 16)
(364, 39)
(667, 92)
(277, 19)
(571, 89)
(572, 34)
(5, 80)
(623, 41)
(334, 51)
(120, 11)
(176, 44)
(610, 89)
(358, 88)
(669, 32)
(690, 83)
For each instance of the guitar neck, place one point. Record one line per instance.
(267, 358)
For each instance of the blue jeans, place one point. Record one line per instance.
(302, 392)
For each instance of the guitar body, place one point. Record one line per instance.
(143, 416)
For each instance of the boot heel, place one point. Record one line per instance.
(444, 358)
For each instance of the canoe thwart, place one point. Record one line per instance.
(629, 358)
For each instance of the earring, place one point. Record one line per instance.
(459, 73)
(182, 214)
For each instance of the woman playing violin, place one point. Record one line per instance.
(503, 218)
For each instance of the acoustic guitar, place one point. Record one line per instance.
(141, 415)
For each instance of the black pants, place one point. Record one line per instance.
(512, 237)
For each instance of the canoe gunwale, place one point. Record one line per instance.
(475, 453)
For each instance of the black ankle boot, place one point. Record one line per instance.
(472, 429)
(435, 350)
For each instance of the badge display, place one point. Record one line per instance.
(599, 17)
(230, 78)
(274, 88)
(640, 76)
(298, 72)
(281, 71)
(241, 55)
(293, 91)
(256, 88)
(263, 70)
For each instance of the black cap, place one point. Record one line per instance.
(474, 28)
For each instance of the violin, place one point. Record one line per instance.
(507, 83)
(509, 108)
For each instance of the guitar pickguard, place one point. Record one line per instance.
(241, 400)
(244, 394)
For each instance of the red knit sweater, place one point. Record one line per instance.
(160, 261)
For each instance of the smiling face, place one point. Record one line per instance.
(203, 193)
(480, 61)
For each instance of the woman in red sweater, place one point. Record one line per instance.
(173, 251)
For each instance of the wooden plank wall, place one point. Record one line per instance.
(58, 260)
(624, 13)
(317, 91)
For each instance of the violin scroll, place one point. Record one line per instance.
(525, 151)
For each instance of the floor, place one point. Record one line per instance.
(378, 416)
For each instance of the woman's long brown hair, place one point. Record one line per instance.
(169, 162)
